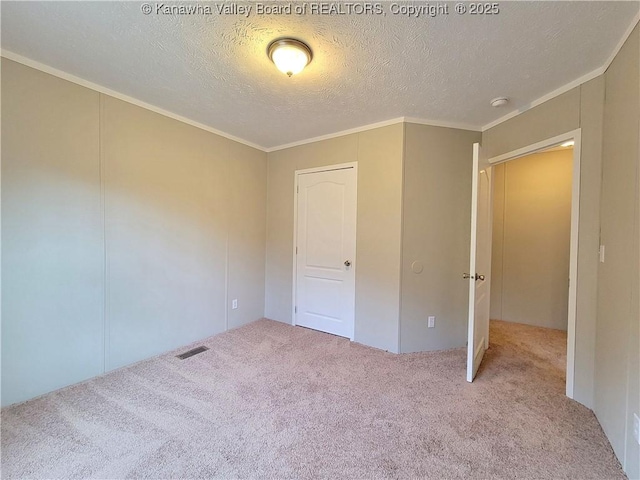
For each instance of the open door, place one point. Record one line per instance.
(479, 275)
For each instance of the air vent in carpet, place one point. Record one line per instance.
(192, 352)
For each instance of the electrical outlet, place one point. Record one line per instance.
(234, 303)
(636, 427)
(431, 323)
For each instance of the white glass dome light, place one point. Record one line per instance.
(289, 55)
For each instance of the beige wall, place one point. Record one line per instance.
(591, 108)
(581, 108)
(185, 220)
(618, 337)
(497, 241)
(379, 156)
(52, 238)
(125, 233)
(558, 115)
(436, 231)
(531, 237)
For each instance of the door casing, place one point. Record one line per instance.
(576, 136)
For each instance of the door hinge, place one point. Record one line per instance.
(295, 309)
(296, 250)
(298, 189)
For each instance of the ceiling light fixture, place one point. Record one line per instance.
(290, 55)
(499, 102)
(570, 143)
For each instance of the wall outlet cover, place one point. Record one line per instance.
(431, 322)
(234, 303)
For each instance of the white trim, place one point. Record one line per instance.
(297, 173)
(328, 168)
(622, 41)
(294, 284)
(435, 123)
(557, 92)
(573, 264)
(534, 148)
(579, 81)
(372, 126)
(576, 136)
(121, 96)
(341, 133)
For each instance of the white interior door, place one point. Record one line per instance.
(479, 275)
(326, 250)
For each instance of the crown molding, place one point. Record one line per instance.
(577, 82)
(435, 123)
(622, 41)
(340, 133)
(557, 92)
(371, 126)
(121, 96)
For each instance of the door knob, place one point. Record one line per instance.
(473, 277)
(347, 263)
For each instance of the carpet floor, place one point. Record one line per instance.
(273, 401)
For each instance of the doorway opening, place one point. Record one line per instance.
(530, 254)
(535, 247)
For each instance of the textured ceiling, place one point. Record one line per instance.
(213, 69)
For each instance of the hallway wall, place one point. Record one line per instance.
(531, 237)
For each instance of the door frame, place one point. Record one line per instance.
(576, 136)
(306, 171)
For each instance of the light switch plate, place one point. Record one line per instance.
(636, 427)
(234, 304)
(431, 322)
